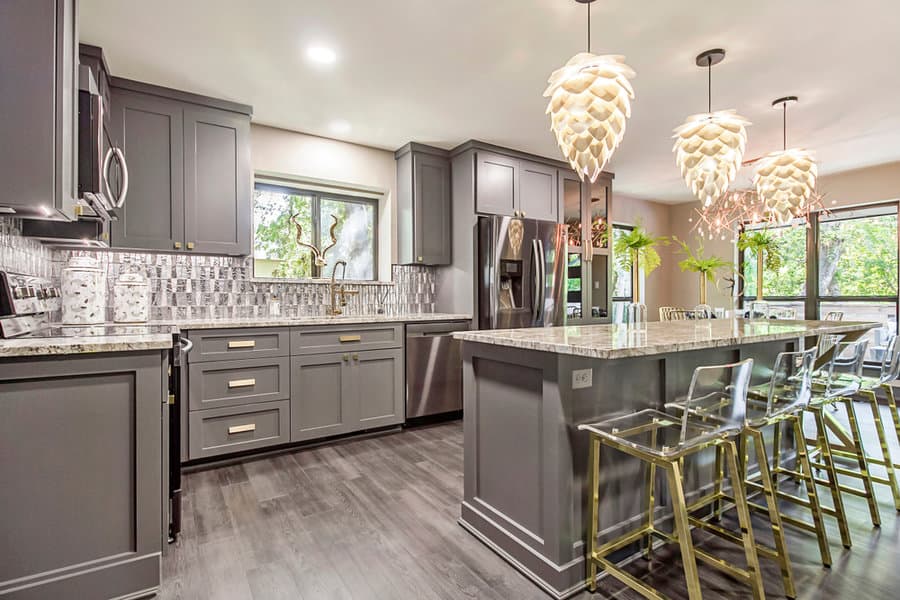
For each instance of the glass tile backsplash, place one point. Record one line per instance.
(20, 254)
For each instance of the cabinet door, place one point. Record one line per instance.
(149, 129)
(496, 184)
(431, 209)
(216, 181)
(321, 396)
(378, 379)
(537, 191)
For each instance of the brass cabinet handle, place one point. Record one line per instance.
(349, 338)
(242, 344)
(178, 245)
(241, 428)
(345, 357)
(190, 245)
(235, 383)
(356, 357)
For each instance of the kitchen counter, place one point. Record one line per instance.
(621, 341)
(158, 335)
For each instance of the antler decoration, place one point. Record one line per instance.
(318, 256)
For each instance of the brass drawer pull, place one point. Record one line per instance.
(242, 428)
(242, 344)
(349, 338)
(235, 383)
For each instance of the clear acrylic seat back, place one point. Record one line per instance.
(791, 385)
(719, 393)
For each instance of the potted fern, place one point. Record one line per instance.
(764, 246)
(704, 266)
(635, 249)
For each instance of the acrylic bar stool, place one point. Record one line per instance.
(890, 370)
(839, 382)
(664, 441)
(780, 400)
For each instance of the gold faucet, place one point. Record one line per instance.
(337, 290)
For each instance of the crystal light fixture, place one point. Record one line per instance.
(785, 181)
(709, 147)
(590, 101)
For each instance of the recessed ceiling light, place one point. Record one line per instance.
(340, 126)
(321, 55)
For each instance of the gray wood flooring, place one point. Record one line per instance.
(376, 518)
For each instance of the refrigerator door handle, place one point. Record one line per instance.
(540, 279)
(536, 283)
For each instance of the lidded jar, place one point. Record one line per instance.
(131, 298)
(83, 292)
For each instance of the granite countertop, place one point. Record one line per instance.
(621, 341)
(158, 335)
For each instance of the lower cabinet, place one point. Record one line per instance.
(81, 459)
(225, 430)
(343, 392)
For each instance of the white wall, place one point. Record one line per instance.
(294, 154)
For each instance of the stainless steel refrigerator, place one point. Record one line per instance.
(521, 277)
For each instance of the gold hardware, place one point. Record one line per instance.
(242, 428)
(356, 357)
(190, 245)
(178, 245)
(419, 259)
(171, 398)
(349, 338)
(242, 344)
(78, 210)
(234, 383)
(345, 357)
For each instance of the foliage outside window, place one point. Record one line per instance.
(788, 280)
(276, 252)
(621, 272)
(858, 256)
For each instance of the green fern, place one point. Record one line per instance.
(640, 244)
(762, 241)
(697, 263)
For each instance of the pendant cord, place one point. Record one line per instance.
(784, 126)
(709, 84)
(589, 27)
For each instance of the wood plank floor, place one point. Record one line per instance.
(376, 518)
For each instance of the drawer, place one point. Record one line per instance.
(230, 429)
(236, 382)
(321, 340)
(227, 344)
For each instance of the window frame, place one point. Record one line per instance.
(629, 298)
(316, 196)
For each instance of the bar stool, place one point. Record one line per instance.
(890, 370)
(780, 400)
(839, 382)
(662, 440)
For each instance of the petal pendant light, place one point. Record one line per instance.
(590, 101)
(709, 147)
(785, 180)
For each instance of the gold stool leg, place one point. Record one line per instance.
(651, 498)
(885, 449)
(812, 493)
(776, 454)
(718, 476)
(743, 511)
(892, 404)
(824, 447)
(784, 560)
(863, 461)
(593, 483)
(683, 529)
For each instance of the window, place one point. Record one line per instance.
(276, 252)
(622, 282)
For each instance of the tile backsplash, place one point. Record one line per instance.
(20, 254)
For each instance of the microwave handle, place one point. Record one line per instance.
(120, 158)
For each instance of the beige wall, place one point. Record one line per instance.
(324, 160)
(861, 186)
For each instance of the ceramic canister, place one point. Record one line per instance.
(131, 299)
(83, 292)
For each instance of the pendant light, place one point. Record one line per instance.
(709, 146)
(590, 101)
(785, 180)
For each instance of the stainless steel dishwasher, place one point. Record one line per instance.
(433, 369)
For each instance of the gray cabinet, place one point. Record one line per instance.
(537, 191)
(39, 103)
(379, 388)
(189, 167)
(217, 182)
(82, 459)
(150, 132)
(321, 396)
(511, 186)
(423, 205)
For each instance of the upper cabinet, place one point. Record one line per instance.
(423, 205)
(189, 170)
(511, 183)
(39, 124)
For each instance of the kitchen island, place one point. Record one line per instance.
(526, 391)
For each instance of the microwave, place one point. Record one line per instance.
(102, 170)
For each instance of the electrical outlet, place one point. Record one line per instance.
(582, 378)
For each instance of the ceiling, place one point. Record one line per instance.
(445, 72)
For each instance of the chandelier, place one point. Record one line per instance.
(739, 208)
(709, 146)
(590, 101)
(785, 180)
